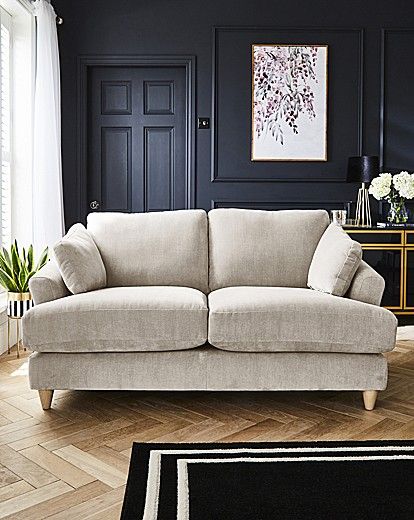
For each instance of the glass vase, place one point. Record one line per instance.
(397, 213)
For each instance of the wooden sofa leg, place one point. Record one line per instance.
(370, 397)
(46, 398)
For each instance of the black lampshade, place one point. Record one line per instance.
(363, 168)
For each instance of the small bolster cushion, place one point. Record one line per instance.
(79, 261)
(334, 263)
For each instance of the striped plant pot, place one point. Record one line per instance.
(18, 304)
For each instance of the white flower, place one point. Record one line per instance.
(404, 184)
(381, 186)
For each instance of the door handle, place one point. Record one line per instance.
(94, 204)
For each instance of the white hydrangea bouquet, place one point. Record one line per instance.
(395, 189)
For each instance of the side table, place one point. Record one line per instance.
(390, 251)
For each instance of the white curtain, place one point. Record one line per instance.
(48, 218)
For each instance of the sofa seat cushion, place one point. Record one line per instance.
(283, 319)
(119, 319)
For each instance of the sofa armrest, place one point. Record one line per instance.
(47, 284)
(367, 285)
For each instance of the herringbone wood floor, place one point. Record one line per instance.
(71, 462)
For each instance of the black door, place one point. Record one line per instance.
(136, 138)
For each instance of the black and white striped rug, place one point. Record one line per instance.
(271, 481)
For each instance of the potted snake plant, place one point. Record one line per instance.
(16, 270)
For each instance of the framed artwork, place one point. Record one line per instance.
(289, 102)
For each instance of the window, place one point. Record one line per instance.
(5, 118)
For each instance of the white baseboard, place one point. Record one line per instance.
(3, 332)
(405, 333)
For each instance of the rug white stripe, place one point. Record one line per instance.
(183, 491)
(153, 487)
(154, 465)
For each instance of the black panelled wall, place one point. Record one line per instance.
(371, 87)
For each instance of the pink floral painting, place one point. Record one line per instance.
(289, 102)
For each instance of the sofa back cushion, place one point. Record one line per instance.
(157, 248)
(263, 248)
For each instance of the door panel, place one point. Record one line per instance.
(137, 144)
(159, 97)
(116, 168)
(159, 153)
(409, 278)
(115, 98)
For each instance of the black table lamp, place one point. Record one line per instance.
(362, 170)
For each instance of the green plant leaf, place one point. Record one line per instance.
(22, 280)
(7, 282)
(16, 263)
(7, 256)
(16, 247)
(30, 258)
(6, 267)
(23, 275)
(28, 278)
(43, 259)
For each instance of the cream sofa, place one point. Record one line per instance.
(216, 301)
